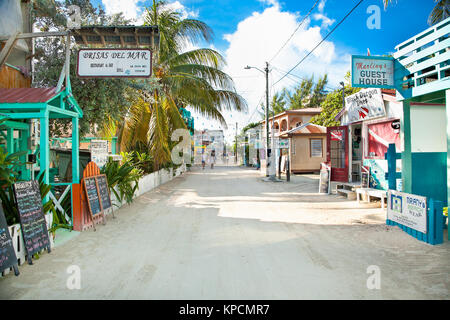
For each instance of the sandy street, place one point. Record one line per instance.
(226, 234)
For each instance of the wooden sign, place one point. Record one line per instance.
(92, 194)
(8, 257)
(32, 219)
(104, 192)
(325, 176)
(117, 63)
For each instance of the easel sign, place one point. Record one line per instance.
(93, 198)
(325, 178)
(105, 197)
(32, 220)
(8, 257)
(365, 177)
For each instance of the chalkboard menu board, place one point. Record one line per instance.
(32, 220)
(325, 175)
(104, 191)
(93, 199)
(8, 257)
(364, 179)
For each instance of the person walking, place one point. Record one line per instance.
(203, 160)
(213, 158)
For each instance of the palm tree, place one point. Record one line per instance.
(440, 12)
(193, 78)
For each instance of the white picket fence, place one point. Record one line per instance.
(146, 183)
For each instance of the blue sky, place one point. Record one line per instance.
(250, 32)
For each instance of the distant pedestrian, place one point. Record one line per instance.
(203, 160)
(213, 158)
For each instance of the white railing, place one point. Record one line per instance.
(422, 62)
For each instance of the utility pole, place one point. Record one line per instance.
(343, 93)
(266, 70)
(236, 149)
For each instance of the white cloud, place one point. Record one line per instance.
(321, 5)
(326, 22)
(258, 38)
(129, 8)
(185, 12)
(133, 9)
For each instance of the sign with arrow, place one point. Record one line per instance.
(364, 105)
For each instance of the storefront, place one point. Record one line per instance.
(370, 122)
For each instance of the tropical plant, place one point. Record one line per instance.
(107, 100)
(332, 105)
(193, 78)
(308, 94)
(123, 178)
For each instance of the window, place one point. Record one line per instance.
(316, 148)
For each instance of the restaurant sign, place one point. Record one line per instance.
(364, 105)
(114, 63)
(408, 210)
(372, 72)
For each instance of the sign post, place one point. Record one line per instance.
(408, 210)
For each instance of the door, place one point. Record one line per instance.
(337, 152)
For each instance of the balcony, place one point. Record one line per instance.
(422, 64)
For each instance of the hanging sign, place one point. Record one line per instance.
(281, 143)
(408, 209)
(364, 105)
(8, 257)
(372, 72)
(128, 63)
(337, 135)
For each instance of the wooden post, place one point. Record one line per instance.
(44, 150)
(392, 175)
(75, 152)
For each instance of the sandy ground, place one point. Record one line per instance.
(226, 234)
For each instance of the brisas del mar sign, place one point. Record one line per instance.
(372, 72)
(114, 63)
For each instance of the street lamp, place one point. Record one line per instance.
(271, 175)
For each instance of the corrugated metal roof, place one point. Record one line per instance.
(307, 128)
(26, 95)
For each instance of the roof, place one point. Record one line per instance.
(26, 95)
(307, 128)
(133, 36)
(304, 111)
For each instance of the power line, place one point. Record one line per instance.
(257, 105)
(299, 25)
(335, 27)
(290, 77)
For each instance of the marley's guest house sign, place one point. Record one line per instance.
(95, 63)
(372, 72)
(363, 105)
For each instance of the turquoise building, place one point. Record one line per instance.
(422, 81)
